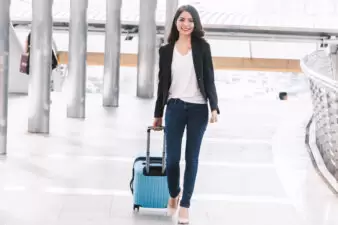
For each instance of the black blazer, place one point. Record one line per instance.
(204, 72)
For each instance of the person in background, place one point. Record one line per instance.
(28, 49)
(186, 84)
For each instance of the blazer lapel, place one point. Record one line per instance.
(169, 58)
(170, 54)
(196, 55)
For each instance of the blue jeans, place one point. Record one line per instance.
(180, 114)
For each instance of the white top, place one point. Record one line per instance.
(184, 82)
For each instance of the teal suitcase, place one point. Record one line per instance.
(149, 181)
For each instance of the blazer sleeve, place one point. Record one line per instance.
(209, 79)
(159, 108)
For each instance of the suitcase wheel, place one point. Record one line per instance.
(136, 207)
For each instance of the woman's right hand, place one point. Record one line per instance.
(157, 122)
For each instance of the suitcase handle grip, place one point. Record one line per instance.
(155, 128)
(159, 128)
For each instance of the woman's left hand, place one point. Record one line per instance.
(213, 118)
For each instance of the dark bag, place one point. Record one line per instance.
(24, 61)
(54, 60)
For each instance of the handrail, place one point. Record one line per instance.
(325, 80)
(324, 90)
(331, 186)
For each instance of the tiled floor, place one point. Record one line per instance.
(254, 167)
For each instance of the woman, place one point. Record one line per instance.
(186, 83)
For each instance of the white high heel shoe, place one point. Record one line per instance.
(182, 220)
(172, 210)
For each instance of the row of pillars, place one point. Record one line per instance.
(75, 86)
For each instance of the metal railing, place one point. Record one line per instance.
(320, 70)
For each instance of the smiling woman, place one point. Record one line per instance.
(186, 85)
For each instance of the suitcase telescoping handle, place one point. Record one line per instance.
(160, 128)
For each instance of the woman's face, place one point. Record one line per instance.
(185, 23)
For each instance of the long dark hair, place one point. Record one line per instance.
(198, 29)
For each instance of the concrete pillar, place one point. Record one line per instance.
(335, 58)
(40, 66)
(336, 63)
(146, 49)
(111, 77)
(171, 7)
(4, 68)
(333, 49)
(77, 61)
